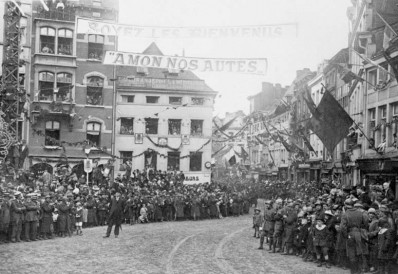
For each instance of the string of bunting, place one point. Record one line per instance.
(61, 144)
(230, 137)
(163, 146)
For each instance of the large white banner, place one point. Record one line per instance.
(246, 65)
(87, 26)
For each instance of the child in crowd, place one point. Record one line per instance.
(321, 241)
(257, 221)
(55, 224)
(79, 219)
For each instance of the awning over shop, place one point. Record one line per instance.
(378, 165)
(304, 166)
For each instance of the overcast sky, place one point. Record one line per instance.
(322, 32)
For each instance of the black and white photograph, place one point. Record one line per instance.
(199, 136)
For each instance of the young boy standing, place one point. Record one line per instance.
(257, 221)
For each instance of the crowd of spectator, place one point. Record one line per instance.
(63, 204)
(330, 224)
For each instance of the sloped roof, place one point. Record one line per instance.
(153, 49)
(161, 73)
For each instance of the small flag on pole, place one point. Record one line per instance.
(44, 5)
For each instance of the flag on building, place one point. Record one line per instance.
(392, 62)
(44, 5)
(331, 122)
(307, 143)
(389, 32)
(232, 160)
(349, 76)
(244, 153)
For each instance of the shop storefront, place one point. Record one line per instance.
(379, 170)
(303, 173)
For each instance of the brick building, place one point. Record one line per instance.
(71, 91)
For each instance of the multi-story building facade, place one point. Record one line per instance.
(230, 146)
(374, 102)
(164, 120)
(71, 91)
(262, 104)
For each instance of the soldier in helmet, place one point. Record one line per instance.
(17, 217)
(268, 225)
(278, 227)
(352, 222)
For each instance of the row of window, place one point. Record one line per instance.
(152, 125)
(58, 87)
(60, 42)
(173, 160)
(173, 100)
(53, 133)
(382, 112)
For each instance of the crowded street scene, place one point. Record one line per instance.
(183, 136)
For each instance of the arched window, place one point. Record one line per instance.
(94, 133)
(47, 40)
(65, 41)
(46, 86)
(94, 90)
(52, 133)
(64, 86)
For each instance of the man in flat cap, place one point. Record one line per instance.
(17, 217)
(31, 218)
(47, 209)
(5, 217)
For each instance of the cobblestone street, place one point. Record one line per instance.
(210, 246)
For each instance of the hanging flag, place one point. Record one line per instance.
(306, 95)
(349, 76)
(226, 126)
(244, 153)
(232, 160)
(307, 143)
(392, 62)
(389, 32)
(44, 5)
(332, 123)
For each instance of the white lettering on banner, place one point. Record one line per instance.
(247, 65)
(259, 31)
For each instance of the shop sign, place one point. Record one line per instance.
(197, 178)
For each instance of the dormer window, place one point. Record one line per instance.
(142, 71)
(173, 71)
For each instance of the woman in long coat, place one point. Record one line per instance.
(179, 206)
(213, 207)
(62, 221)
(91, 211)
(157, 210)
(130, 210)
(195, 208)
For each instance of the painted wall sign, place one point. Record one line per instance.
(256, 31)
(240, 65)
